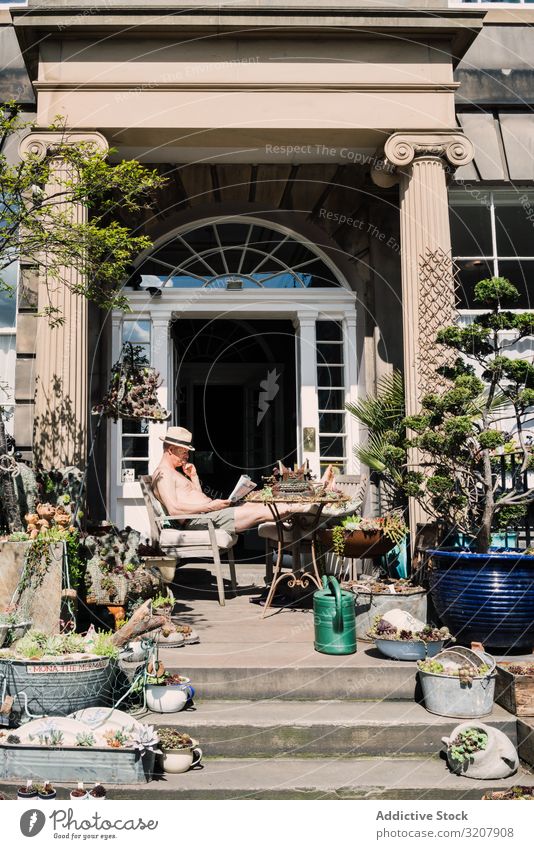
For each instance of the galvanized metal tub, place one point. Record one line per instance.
(446, 695)
(58, 686)
(106, 766)
(369, 605)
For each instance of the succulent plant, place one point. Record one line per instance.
(117, 739)
(85, 739)
(169, 738)
(145, 738)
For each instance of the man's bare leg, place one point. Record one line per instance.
(252, 514)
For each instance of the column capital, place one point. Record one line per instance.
(42, 143)
(452, 147)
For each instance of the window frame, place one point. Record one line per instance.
(492, 199)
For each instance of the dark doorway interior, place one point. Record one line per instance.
(235, 389)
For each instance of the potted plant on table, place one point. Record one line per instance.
(356, 536)
(474, 475)
(180, 752)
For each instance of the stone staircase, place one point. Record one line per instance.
(277, 720)
(278, 737)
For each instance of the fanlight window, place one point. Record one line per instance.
(235, 255)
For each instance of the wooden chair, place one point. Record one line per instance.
(186, 544)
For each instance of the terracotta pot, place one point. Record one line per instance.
(360, 543)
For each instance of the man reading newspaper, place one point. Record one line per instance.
(177, 487)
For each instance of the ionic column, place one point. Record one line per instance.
(60, 424)
(422, 161)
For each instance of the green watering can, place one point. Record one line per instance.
(334, 619)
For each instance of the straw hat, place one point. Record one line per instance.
(178, 436)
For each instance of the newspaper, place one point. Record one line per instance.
(241, 489)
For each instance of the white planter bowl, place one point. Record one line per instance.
(181, 760)
(162, 698)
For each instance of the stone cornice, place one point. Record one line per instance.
(42, 143)
(454, 148)
(243, 85)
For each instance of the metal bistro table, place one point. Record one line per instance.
(299, 576)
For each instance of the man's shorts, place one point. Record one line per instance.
(223, 519)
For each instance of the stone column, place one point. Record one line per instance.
(60, 424)
(422, 161)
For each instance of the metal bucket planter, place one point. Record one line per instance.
(57, 686)
(361, 544)
(408, 649)
(486, 598)
(369, 605)
(447, 695)
(112, 766)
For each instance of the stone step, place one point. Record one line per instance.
(332, 728)
(361, 676)
(311, 778)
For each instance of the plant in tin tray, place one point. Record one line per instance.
(384, 630)
(465, 432)
(466, 744)
(103, 644)
(85, 740)
(117, 739)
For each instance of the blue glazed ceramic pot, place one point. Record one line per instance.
(487, 598)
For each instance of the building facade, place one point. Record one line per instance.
(325, 167)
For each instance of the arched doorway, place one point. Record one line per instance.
(253, 330)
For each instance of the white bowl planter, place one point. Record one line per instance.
(176, 761)
(168, 698)
(498, 760)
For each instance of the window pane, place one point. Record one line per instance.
(8, 301)
(329, 353)
(521, 274)
(470, 272)
(330, 376)
(328, 331)
(515, 232)
(471, 231)
(136, 331)
(331, 399)
(135, 446)
(7, 368)
(134, 426)
(338, 466)
(331, 422)
(331, 446)
(133, 469)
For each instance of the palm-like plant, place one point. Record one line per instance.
(384, 452)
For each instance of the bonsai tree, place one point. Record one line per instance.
(468, 430)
